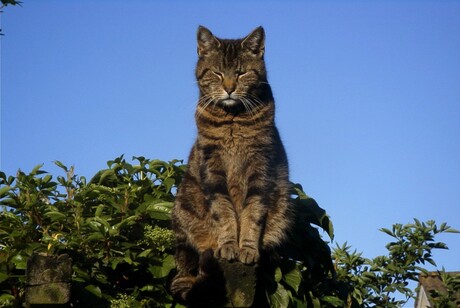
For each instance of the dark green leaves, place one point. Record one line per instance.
(12, 2)
(377, 282)
(309, 211)
(116, 228)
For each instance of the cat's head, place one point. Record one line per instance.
(231, 72)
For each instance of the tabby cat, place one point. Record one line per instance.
(234, 198)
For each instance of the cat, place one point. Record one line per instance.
(233, 202)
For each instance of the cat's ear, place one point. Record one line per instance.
(206, 41)
(255, 42)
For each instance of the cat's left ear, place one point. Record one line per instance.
(255, 42)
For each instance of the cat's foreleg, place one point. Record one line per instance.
(223, 214)
(252, 223)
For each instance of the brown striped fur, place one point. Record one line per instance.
(234, 198)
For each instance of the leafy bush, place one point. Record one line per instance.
(376, 282)
(116, 228)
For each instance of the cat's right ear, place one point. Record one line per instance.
(206, 41)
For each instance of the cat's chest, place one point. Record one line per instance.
(235, 141)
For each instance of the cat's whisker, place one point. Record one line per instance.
(205, 100)
(256, 100)
(249, 106)
(252, 103)
(203, 108)
(203, 103)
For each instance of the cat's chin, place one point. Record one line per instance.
(231, 105)
(229, 102)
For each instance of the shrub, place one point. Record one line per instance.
(116, 228)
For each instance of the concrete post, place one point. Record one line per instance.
(240, 283)
(48, 280)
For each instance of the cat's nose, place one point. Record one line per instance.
(229, 85)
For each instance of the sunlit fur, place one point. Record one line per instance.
(234, 198)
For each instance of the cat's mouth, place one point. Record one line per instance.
(231, 105)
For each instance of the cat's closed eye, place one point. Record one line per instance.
(218, 74)
(240, 74)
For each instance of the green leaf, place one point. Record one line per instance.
(61, 165)
(4, 190)
(451, 230)
(99, 210)
(387, 231)
(298, 189)
(314, 300)
(106, 177)
(7, 298)
(161, 271)
(327, 226)
(128, 221)
(11, 217)
(99, 224)
(278, 274)
(55, 216)
(309, 211)
(47, 178)
(168, 183)
(10, 180)
(81, 275)
(145, 253)
(128, 259)
(94, 290)
(160, 210)
(12, 2)
(114, 262)
(3, 277)
(334, 301)
(101, 278)
(279, 299)
(36, 170)
(95, 236)
(148, 288)
(293, 279)
(19, 261)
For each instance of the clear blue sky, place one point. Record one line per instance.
(367, 94)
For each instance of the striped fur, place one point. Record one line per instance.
(234, 198)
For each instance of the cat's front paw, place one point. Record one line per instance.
(227, 251)
(248, 255)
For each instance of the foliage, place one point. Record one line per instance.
(305, 275)
(116, 228)
(376, 282)
(10, 2)
(5, 3)
(450, 297)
